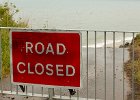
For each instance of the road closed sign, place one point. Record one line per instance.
(45, 58)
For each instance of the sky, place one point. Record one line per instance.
(123, 15)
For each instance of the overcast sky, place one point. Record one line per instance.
(81, 14)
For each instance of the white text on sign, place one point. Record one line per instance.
(47, 69)
(48, 49)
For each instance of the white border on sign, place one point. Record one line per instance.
(50, 31)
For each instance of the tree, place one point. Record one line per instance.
(7, 12)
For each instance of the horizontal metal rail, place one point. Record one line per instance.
(90, 30)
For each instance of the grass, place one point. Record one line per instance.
(5, 52)
(134, 63)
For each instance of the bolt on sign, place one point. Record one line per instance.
(48, 58)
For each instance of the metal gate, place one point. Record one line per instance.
(105, 77)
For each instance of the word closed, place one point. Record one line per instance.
(45, 58)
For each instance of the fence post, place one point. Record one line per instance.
(51, 93)
(1, 61)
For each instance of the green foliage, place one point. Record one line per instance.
(137, 37)
(137, 77)
(7, 12)
(129, 65)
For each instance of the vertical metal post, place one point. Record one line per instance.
(26, 90)
(95, 64)
(1, 60)
(60, 93)
(42, 91)
(123, 62)
(32, 90)
(114, 66)
(77, 94)
(87, 65)
(105, 65)
(11, 85)
(51, 93)
(17, 89)
(133, 90)
(70, 97)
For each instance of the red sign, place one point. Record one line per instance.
(45, 58)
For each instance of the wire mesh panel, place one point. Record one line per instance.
(108, 68)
